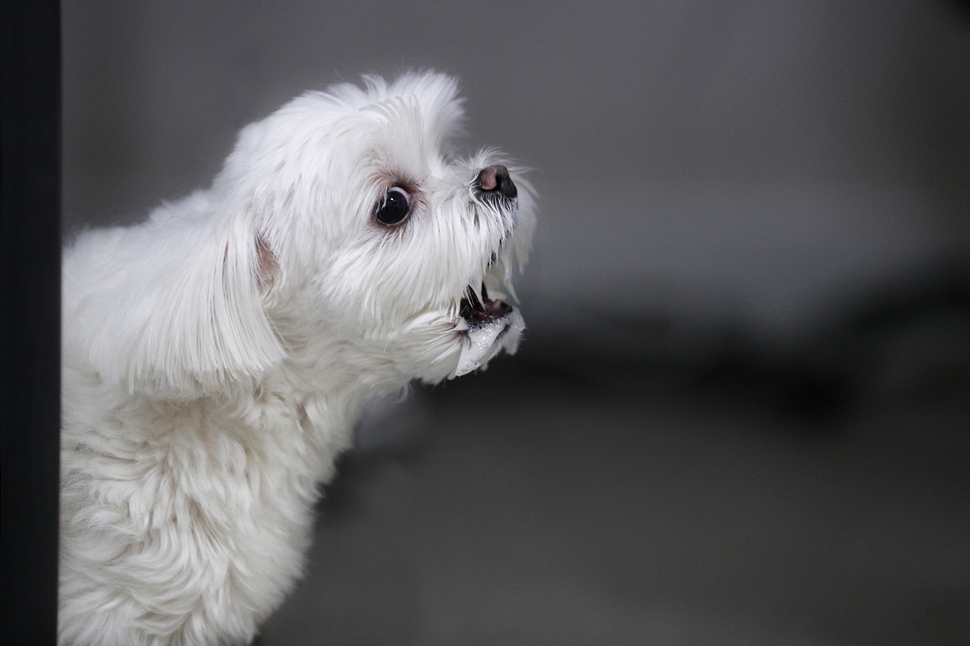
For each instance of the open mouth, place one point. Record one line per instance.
(480, 312)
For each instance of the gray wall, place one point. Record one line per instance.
(760, 163)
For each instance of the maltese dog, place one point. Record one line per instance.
(217, 356)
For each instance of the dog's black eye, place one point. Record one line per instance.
(395, 206)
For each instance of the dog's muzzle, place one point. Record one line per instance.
(492, 182)
(491, 325)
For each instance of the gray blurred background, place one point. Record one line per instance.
(741, 412)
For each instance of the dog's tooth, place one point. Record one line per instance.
(508, 285)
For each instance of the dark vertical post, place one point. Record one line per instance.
(30, 315)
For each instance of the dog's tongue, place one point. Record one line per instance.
(488, 339)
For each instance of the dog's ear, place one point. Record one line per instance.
(183, 312)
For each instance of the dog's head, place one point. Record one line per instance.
(349, 233)
(373, 232)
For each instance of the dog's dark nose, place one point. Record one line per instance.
(495, 179)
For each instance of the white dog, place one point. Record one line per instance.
(217, 356)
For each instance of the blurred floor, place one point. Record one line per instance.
(532, 507)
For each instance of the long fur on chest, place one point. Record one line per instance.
(185, 516)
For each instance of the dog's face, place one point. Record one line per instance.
(370, 234)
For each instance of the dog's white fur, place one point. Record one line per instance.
(216, 357)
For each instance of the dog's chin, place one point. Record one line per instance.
(487, 326)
